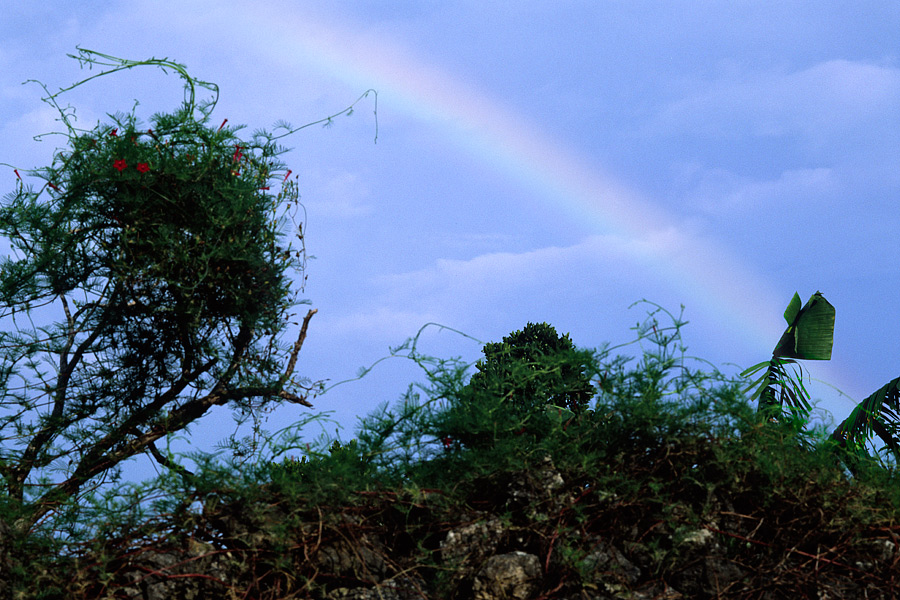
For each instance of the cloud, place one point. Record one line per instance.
(379, 323)
(720, 191)
(510, 270)
(336, 195)
(17, 135)
(602, 274)
(823, 100)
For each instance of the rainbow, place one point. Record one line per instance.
(702, 271)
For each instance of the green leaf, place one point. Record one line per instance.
(558, 414)
(751, 370)
(810, 334)
(793, 308)
(878, 414)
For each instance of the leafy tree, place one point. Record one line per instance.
(532, 372)
(533, 367)
(810, 336)
(150, 279)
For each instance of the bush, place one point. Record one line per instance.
(523, 386)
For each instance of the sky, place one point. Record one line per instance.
(535, 161)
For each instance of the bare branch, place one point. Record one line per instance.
(292, 362)
(103, 457)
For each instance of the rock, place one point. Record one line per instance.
(357, 561)
(706, 572)
(513, 576)
(607, 568)
(476, 540)
(193, 574)
(880, 551)
(542, 487)
(404, 588)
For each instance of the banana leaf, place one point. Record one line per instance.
(809, 336)
(778, 387)
(810, 332)
(878, 414)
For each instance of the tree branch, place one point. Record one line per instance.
(51, 430)
(164, 461)
(297, 345)
(99, 459)
(103, 457)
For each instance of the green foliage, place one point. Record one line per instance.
(879, 414)
(152, 275)
(449, 425)
(810, 332)
(810, 335)
(532, 367)
(523, 384)
(322, 477)
(668, 452)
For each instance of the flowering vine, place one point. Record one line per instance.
(176, 283)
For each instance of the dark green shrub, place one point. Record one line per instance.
(521, 389)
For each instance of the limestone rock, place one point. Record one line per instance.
(512, 576)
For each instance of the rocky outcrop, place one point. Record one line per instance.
(517, 536)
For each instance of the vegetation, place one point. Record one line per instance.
(161, 249)
(668, 479)
(782, 395)
(151, 277)
(524, 384)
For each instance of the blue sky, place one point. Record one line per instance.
(537, 161)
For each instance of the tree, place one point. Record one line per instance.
(810, 336)
(532, 371)
(165, 257)
(533, 367)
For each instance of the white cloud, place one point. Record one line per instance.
(386, 324)
(508, 271)
(601, 273)
(336, 195)
(720, 191)
(825, 99)
(17, 137)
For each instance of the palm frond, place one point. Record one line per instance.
(879, 414)
(809, 336)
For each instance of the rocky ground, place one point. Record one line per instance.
(680, 528)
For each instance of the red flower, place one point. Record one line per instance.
(113, 132)
(223, 124)
(287, 175)
(120, 164)
(448, 441)
(143, 167)
(53, 186)
(237, 154)
(16, 171)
